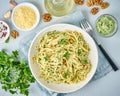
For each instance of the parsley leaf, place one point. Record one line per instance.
(79, 51)
(66, 55)
(62, 41)
(15, 53)
(15, 75)
(7, 40)
(65, 75)
(46, 57)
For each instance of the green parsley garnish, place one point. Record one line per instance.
(46, 57)
(65, 75)
(66, 55)
(62, 41)
(84, 61)
(79, 38)
(7, 40)
(15, 75)
(79, 51)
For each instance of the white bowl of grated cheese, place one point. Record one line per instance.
(25, 16)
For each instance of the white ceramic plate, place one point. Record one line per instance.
(63, 88)
(31, 6)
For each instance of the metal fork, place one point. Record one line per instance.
(85, 25)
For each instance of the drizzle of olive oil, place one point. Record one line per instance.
(59, 7)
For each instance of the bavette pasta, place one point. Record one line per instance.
(63, 57)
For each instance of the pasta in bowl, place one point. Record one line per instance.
(63, 58)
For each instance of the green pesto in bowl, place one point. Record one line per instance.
(106, 25)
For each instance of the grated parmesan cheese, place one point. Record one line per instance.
(25, 17)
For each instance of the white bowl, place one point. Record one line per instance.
(31, 6)
(63, 88)
(8, 32)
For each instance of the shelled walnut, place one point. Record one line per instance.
(79, 2)
(89, 3)
(94, 10)
(98, 2)
(47, 17)
(104, 5)
(14, 34)
(94, 2)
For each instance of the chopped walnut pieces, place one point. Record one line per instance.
(104, 5)
(14, 34)
(94, 10)
(47, 17)
(79, 2)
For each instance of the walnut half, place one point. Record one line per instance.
(14, 34)
(93, 2)
(47, 17)
(94, 10)
(79, 2)
(104, 5)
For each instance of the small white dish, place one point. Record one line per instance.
(35, 10)
(4, 32)
(63, 88)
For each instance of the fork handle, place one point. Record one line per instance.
(114, 67)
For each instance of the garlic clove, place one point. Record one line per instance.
(8, 14)
(12, 3)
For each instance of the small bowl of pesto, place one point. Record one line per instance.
(106, 25)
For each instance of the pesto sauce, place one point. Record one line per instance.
(105, 25)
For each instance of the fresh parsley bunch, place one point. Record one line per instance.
(15, 75)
